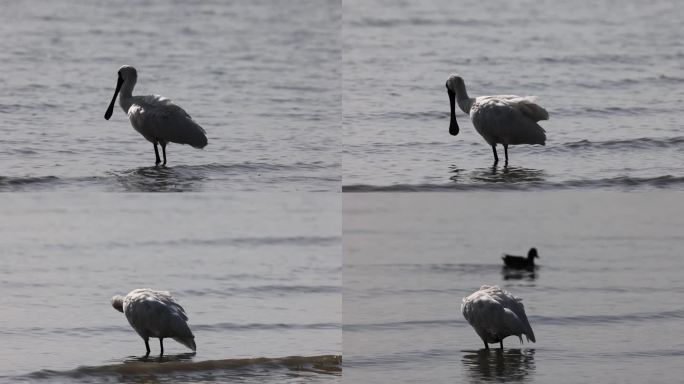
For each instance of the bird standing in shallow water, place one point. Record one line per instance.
(155, 117)
(496, 314)
(502, 119)
(155, 314)
(519, 262)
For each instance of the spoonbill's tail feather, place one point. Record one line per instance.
(524, 324)
(195, 136)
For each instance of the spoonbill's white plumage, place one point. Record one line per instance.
(155, 117)
(155, 314)
(502, 119)
(496, 314)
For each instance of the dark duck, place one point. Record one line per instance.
(521, 262)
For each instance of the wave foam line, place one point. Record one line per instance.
(325, 364)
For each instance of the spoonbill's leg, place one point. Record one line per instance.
(163, 145)
(156, 153)
(147, 346)
(501, 344)
(496, 157)
(161, 345)
(486, 346)
(506, 152)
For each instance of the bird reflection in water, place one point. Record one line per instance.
(496, 174)
(160, 359)
(507, 174)
(528, 274)
(495, 365)
(162, 179)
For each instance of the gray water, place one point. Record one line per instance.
(605, 304)
(610, 75)
(259, 276)
(262, 78)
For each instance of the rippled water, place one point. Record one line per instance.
(258, 274)
(605, 303)
(262, 78)
(610, 75)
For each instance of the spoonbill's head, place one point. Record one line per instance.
(532, 253)
(128, 75)
(452, 85)
(455, 82)
(117, 303)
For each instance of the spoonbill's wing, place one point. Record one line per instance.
(494, 312)
(177, 326)
(486, 315)
(160, 118)
(506, 119)
(167, 300)
(515, 317)
(528, 107)
(156, 314)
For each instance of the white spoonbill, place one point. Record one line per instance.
(155, 314)
(155, 117)
(496, 314)
(502, 119)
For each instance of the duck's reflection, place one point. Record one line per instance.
(528, 274)
(495, 365)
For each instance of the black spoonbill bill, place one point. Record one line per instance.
(155, 117)
(496, 314)
(155, 314)
(502, 119)
(520, 262)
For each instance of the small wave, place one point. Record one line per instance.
(263, 327)
(323, 364)
(237, 241)
(20, 182)
(597, 58)
(102, 330)
(620, 182)
(417, 116)
(609, 319)
(414, 356)
(401, 325)
(226, 168)
(622, 83)
(417, 21)
(428, 267)
(640, 143)
(270, 290)
(183, 178)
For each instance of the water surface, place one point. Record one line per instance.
(605, 303)
(258, 274)
(262, 78)
(610, 75)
